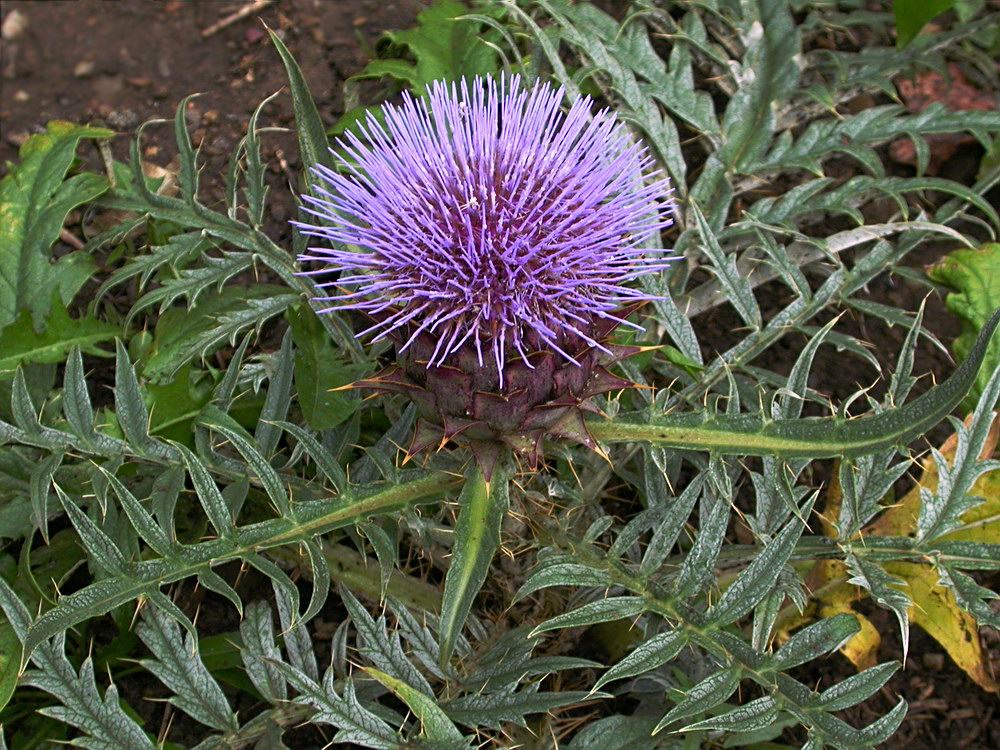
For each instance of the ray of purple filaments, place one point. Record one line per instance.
(487, 215)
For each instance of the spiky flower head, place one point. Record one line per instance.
(484, 229)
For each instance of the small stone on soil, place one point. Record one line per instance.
(83, 69)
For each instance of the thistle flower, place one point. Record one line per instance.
(492, 237)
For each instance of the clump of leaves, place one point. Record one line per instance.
(221, 461)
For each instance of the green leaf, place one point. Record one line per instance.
(10, 661)
(496, 709)
(319, 371)
(885, 590)
(313, 146)
(563, 573)
(974, 274)
(21, 343)
(35, 198)
(913, 15)
(857, 688)
(178, 665)
(647, 656)
(183, 334)
(260, 652)
(444, 46)
(174, 405)
(819, 638)
(354, 722)
(810, 437)
(704, 696)
(477, 536)
(144, 578)
(760, 577)
(749, 717)
(601, 610)
(381, 648)
(434, 723)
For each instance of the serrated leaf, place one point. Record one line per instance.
(178, 665)
(754, 583)
(696, 569)
(885, 589)
(35, 198)
(857, 688)
(21, 343)
(809, 437)
(381, 648)
(563, 574)
(974, 274)
(181, 334)
(434, 723)
(260, 652)
(354, 722)
(313, 145)
(444, 45)
(816, 640)
(130, 407)
(101, 719)
(494, 710)
(749, 717)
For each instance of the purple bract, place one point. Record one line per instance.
(486, 217)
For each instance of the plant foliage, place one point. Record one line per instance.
(225, 523)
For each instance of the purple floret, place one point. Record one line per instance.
(484, 215)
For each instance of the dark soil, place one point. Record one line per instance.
(121, 63)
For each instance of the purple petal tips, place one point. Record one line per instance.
(484, 215)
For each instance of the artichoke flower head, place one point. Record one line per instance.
(492, 237)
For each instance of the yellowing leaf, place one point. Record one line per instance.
(934, 606)
(936, 611)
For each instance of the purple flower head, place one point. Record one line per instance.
(486, 217)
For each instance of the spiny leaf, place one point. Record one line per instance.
(354, 722)
(704, 696)
(434, 722)
(260, 652)
(178, 665)
(483, 506)
(647, 656)
(313, 145)
(601, 610)
(809, 437)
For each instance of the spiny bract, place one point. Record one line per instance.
(491, 236)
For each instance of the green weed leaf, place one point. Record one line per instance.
(35, 198)
(21, 343)
(913, 15)
(319, 371)
(974, 274)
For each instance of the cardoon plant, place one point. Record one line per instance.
(492, 237)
